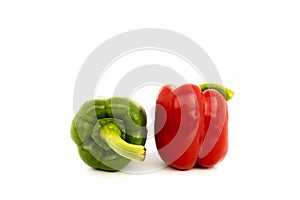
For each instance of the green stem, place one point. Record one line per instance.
(111, 134)
(227, 93)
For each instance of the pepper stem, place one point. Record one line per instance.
(227, 93)
(111, 134)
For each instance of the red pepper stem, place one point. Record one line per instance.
(227, 93)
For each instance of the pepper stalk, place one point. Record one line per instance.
(227, 93)
(110, 131)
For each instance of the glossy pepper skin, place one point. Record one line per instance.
(215, 135)
(191, 125)
(110, 132)
(178, 125)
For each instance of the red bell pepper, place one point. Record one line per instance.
(191, 125)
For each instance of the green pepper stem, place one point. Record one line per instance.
(227, 93)
(111, 135)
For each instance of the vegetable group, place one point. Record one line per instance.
(110, 132)
(191, 125)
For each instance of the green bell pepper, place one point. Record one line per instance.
(110, 132)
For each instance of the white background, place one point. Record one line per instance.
(254, 44)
